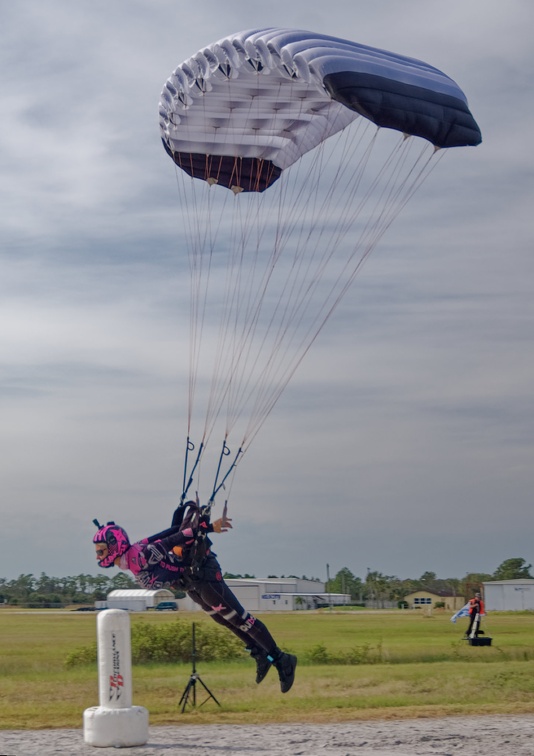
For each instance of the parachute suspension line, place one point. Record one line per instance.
(417, 181)
(394, 202)
(247, 353)
(377, 225)
(187, 223)
(228, 311)
(243, 299)
(208, 223)
(196, 201)
(304, 278)
(251, 314)
(342, 284)
(264, 406)
(301, 285)
(193, 244)
(196, 243)
(242, 305)
(283, 312)
(201, 239)
(279, 313)
(350, 213)
(248, 298)
(235, 286)
(239, 291)
(287, 222)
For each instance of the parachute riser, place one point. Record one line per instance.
(225, 452)
(190, 447)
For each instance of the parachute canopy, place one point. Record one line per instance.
(242, 110)
(323, 142)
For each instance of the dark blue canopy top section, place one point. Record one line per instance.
(441, 118)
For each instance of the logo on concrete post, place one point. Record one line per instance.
(116, 680)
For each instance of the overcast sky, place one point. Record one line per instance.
(405, 442)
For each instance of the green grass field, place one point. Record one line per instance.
(413, 665)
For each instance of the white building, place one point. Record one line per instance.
(277, 594)
(509, 595)
(135, 600)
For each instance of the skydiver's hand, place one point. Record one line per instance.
(224, 523)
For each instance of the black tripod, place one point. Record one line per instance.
(190, 692)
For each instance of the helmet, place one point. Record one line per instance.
(115, 538)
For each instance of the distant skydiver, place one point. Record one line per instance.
(181, 558)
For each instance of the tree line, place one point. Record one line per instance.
(375, 588)
(379, 589)
(44, 591)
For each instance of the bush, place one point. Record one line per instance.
(364, 654)
(80, 656)
(318, 654)
(170, 642)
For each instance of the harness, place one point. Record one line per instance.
(194, 553)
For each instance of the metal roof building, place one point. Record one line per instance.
(277, 594)
(137, 599)
(509, 595)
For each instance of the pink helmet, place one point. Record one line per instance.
(115, 538)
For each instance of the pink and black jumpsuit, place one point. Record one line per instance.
(154, 565)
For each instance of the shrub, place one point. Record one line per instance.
(364, 654)
(82, 655)
(318, 654)
(170, 642)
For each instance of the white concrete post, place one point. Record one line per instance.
(115, 722)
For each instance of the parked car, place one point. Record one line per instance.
(167, 606)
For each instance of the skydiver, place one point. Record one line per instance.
(181, 558)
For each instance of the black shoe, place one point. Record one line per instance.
(263, 663)
(286, 665)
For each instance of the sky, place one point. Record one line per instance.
(405, 441)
